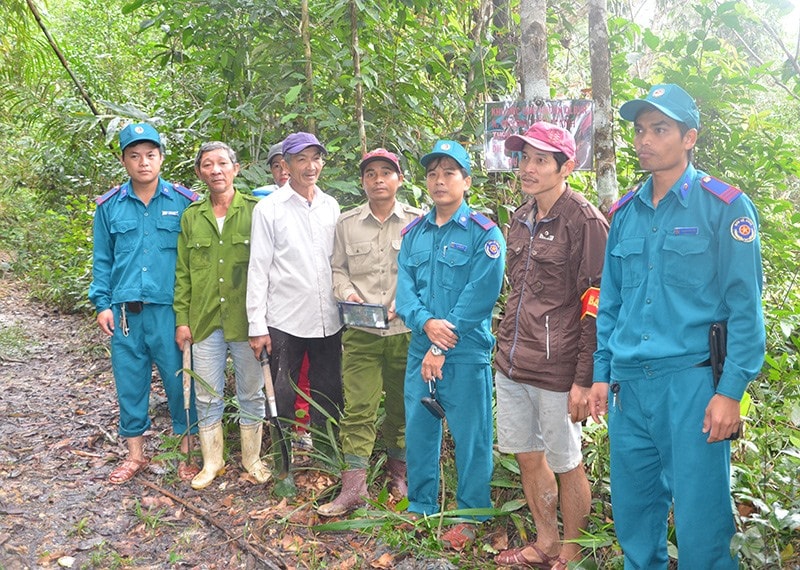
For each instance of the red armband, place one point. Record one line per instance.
(590, 300)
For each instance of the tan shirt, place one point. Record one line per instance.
(365, 258)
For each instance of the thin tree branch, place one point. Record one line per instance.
(84, 95)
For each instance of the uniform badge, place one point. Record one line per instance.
(743, 229)
(445, 146)
(492, 248)
(658, 92)
(138, 130)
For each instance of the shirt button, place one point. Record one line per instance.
(246, 242)
(222, 299)
(221, 280)
(144, 268)
(650, 267)
(648, 301)
(146, 214)
(655, 230)
(645, 337)
(221, 260)
(220, 242)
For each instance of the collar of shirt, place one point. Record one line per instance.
(397, 212)
(459, 217)
(164, 189)
(681, 188)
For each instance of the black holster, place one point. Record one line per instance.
(718, 347)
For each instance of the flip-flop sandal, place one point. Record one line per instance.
(127, 470)
(514, 557)
(459, 537)
(560, 564)
(187, 471)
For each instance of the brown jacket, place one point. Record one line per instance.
(546, 337)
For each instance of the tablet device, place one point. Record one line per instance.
(371, 315)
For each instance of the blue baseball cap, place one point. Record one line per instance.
(138, 132)
(451, 149)
(668, 98)
(298, 142)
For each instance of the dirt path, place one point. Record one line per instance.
(58, 443)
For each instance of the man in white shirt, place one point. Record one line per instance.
(291, 309)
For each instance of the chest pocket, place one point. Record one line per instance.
(199, 252)
(630, 254)
(687, 260)
(240, 252)
(125, 235)
(168, 229)
(547, 275)
(452, 269)
(358, 257)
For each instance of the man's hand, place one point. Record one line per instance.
(578, 403)
(440, 332)
(432, 366)
(259, 342)
(106, 321)
(182, 334)
(598, 400)
(354, 298)
(721, 419)
(392, 312)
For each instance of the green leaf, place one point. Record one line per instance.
(292, 94)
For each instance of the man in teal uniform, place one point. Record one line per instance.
(683, 252)
(136, 229)
(450, 270)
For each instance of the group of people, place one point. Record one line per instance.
(262, 279)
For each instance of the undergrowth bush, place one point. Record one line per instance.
(50, 246)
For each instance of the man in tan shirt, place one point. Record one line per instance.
(366, 244)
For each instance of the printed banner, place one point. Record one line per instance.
(506, 118)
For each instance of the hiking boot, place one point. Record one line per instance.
(396, 472)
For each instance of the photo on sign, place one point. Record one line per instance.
(506, 118)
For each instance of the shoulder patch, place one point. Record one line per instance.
(100, 199)
(720, 189)
(411, 225)
(624, 200)
(184, 191)
(482, 220)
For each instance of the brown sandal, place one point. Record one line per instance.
(514, 557)
(127, 470)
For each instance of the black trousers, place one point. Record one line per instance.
(324, 373)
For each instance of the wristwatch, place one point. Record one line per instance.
(436, 351)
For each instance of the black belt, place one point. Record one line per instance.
(706, 362)
(134, 307)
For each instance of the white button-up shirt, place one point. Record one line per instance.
(289, 283)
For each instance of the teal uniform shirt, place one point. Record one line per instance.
(135, 250)
(673, 270)
(453, 272)
(135, 247)
(670, 271)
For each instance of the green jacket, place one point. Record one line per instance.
(211, 273)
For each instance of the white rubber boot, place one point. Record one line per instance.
(251, 452)
(211, 447)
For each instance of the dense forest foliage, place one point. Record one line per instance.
(400, 74)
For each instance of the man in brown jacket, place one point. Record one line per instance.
(546, 342)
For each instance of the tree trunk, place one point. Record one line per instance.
(533, 50)
(604, 155)
(305, 33)
(354, 52)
